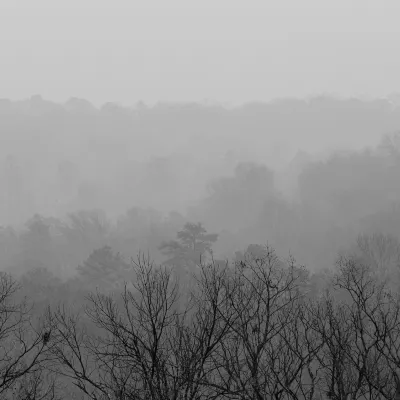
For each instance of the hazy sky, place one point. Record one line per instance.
(224, 50)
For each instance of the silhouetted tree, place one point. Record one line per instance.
(193, 242)
(354, 323)
(262, 357)
(24, 356)
(148, 344)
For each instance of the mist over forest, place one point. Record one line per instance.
(303, 175)
(284, 214)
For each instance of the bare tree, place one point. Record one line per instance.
(256, 360)
(24, 349)
(40, 385)
(149, 344)
(129, 353)
(208, 323)
(338, 376)
(297, 369)
(355, 325)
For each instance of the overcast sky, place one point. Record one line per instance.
(225, 50)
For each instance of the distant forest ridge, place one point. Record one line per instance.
(37, 105)
(60, 158)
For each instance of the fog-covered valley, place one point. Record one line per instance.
(104, 210)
